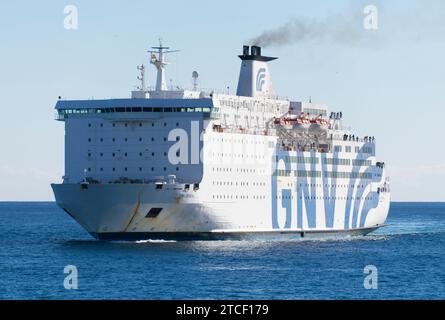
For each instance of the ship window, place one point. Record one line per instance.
(114, 139)
(126, 154)
(89, 125)
(101, 169)
(152, 139)
(101, 125)
(114, 169)
(152, 169)
(177, 124)
(126, 169)
(152, 124)
(126, 139)
(126, 124)
(165, 124)
(89, 139)
(140, 169)
(157, 109)
(177, 169)
(148, 109)
(165, 169)
(140, 139)
(140, 154)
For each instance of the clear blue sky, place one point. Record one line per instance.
(391, 84)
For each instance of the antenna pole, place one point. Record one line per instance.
(141, 78)
(159, 62)
(195, 76)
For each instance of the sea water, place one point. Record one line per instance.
(38, 240)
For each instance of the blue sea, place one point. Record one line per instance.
(37, 240)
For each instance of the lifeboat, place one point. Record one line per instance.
(298, 124)
(302, 123)
(318, 125)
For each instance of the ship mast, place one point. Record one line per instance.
(141, 78)
(159, 62)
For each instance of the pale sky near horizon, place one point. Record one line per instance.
(390, 83)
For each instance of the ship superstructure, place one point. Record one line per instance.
(190, 164)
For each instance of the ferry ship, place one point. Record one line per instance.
(180, 164)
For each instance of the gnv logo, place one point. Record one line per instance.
(260, 79)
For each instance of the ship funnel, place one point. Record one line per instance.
(254, 79)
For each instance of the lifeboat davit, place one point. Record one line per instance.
(319, 126)
(301, 123)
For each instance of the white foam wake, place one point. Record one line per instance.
(154, 241)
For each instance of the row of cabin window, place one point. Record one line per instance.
(238, 170)
(237, 155)
(357, 149)
(242, 197)
(241, 140)
(126, 124)
(330, 161)
(230, 183)
(126, 169)
(126, 139)
(318, 174)
(126, 154)
(324, 198)
(318, 185)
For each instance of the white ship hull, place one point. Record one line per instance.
(118, 212)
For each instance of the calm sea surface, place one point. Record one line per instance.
(37, 240)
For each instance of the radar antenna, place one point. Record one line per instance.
(195, 76)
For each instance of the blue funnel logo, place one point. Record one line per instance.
(260, 79)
